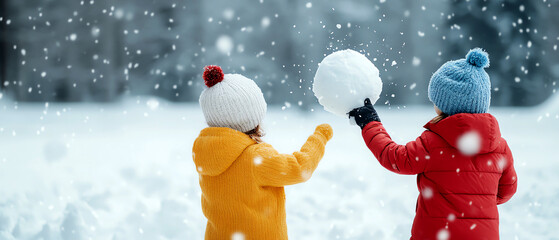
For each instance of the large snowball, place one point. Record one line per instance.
(344, 79)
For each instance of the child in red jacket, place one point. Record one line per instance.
(464, 167)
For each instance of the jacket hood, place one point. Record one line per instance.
(483, 125)
(216, 148)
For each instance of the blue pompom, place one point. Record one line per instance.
(478, 58)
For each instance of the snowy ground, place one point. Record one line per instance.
(124, 171)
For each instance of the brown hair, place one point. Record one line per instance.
(439, 118)
(256, 134)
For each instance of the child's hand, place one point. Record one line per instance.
(325, 130)
(364, 115)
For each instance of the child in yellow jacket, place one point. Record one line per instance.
(242, 178)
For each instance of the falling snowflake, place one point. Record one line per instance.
(228, 14)
(416, 61)
(224, 44)
(502, 163)
(306, 174)
(257, 160)
(451, 217)
(238, 236)
(427, 193)
(469, 143)
(152, 103)
(443, 234)
(95, 31)
(265, 22)
(473, 226)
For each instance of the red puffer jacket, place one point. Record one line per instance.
(459, 193)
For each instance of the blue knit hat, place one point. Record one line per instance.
(462, 86)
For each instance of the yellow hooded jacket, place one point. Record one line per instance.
(242, 181)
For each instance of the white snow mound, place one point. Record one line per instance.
(344, 79)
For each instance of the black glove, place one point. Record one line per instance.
(364, 115)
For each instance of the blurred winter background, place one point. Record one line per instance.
(98, 108)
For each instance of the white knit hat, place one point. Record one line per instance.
(231, 100)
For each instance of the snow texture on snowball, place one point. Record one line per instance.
(344, 79)
(478, 58)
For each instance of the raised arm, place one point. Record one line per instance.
(274, 169)
(508, 180)
(403, 159)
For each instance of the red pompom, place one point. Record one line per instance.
(212, 75)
